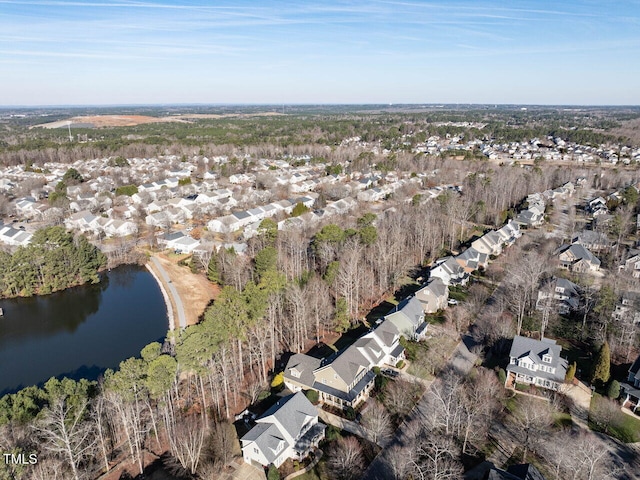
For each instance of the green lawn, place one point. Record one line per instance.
(625, 428)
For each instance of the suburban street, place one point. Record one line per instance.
(461, 361)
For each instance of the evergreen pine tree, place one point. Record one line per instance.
(602, 365)
(213, 272)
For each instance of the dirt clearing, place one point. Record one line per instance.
(194, 290)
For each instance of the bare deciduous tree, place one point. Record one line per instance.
(345, 459)
(377, 422)
(65, 433)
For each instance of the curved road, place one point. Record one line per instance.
(173, 292)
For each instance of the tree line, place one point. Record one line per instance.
(53, 261)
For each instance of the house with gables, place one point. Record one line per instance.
(632, 263)
(408, 317)
(289, 429)
(536, 362)
(592, 240)
(509, 233)
(472, 260)
(559, 294)
(433, 296)
(449, 271)
(346, 378)
(577, 258)
(490, 243)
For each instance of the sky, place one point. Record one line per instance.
(105, 52)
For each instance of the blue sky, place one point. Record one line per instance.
(62, 52)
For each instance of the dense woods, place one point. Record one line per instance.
(54, 260)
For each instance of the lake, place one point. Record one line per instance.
(81, 331)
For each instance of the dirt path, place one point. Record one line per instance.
(194, 290)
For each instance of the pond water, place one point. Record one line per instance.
(82, 331)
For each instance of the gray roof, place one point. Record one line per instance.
(267, 437)
(525, 471)
(305, 365)
(241, 215)
(172, 236)
(407, 316)
(290, 412)
(580, 253)
(635, 368)
(591, 237)
(535, 349)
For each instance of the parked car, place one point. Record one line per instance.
(390, 373)
(452, 301)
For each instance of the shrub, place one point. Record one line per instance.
(400, 364)
(278, 380)
(312, 396)
(613, 389)
(273, 473)
(350, 413)
(502, 376)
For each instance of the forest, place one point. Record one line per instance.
(53, 261)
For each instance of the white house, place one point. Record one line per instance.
(289, 429)
(536, 362)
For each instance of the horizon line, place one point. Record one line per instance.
(311, 104)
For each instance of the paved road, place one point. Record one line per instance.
(182, 320)
(462, 361)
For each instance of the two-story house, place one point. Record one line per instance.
(408, 317)
(289, 429)
(346, 378)
(490, 243)
(433, 296)
(560, 294)
(577, 258)
(631, 388)
(536, 362)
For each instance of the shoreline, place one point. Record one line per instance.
(165, 295)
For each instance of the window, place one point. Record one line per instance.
(295, 373)
(546, 358)
(256, 450)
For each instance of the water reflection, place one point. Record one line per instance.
(79, 332)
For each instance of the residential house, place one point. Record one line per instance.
(119, 228)
(289, 429)
(408, 317)
(560, 294)
(631, 388)
(472, 260)
(14, 236)
(346, 378)
(577, 258)
(597, 207)
(449, 271)
(490, 243)
(536, 362)
(530, 217)
(26, 207)
(433, 296)
(632, 263)
(627, 307)
(509, 233)
(592, 240)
